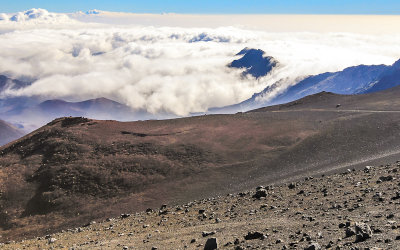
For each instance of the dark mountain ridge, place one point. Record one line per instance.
(254, 62)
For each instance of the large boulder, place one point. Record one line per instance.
(211, 244)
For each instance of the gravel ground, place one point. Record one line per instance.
(357, 209)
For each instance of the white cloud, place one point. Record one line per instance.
(35, 16)
(168, 69)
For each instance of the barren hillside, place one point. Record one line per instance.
(76, 169)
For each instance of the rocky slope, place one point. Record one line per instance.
(61, 174)
(354, 209)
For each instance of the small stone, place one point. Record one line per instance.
(367, 169)
(313, 246)
(52, 240)
(205, 234)
(390, 216)
(123, 216)
(386, 178)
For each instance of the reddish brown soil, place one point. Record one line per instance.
(74, 170)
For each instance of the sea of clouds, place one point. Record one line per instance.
(164, 69)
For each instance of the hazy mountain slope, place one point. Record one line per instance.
(13, 105)
(76, 166)
(388, 79)
(6, 82)
(96, 108)
(30, 113)
(8, 132)
(352, 80)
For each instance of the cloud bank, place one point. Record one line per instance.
(36, 16)
(166, 69)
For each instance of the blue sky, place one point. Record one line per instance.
(212, 6)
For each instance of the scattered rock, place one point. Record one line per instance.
(397, 196)
(52, 240)
(260, 193)
(386, 178)
(123, 216)
(205, 233)
(254, 235)
(313, 246)
(363, 232)
(367, 169)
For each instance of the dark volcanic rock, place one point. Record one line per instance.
(205, 233)
(350, 232)
(254, 235)
(313, 246)
(260, 193)
(386, 178)
(363, 232)
(211, 244)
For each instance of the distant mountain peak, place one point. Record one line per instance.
(247, 50)
(255, 62)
